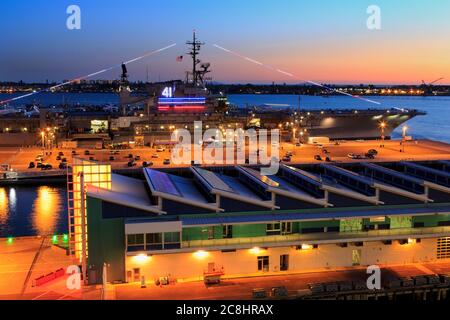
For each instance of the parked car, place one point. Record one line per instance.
(131, 164)
(112, 158)
(372, 152)
(286, 159)
(160, 149)
(130, 156)
(58, 158)
(61, 153)
(87, 152)
(39, 164)
(155, 156)
(31, 165)
(328, 159)
(166, 161)
(146, 164)
(46, 166)
(137, 158)
(318, 157)
(63, 165)
(64, 160)
(355, 156)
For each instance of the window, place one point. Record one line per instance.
(263, 263)
(443, 248)
(210, 233)
(273, 229)
(171, 240)
(227, 231)
(153, 241)
(286, 227)
(135, 242)
(333, 229)
(312, 230)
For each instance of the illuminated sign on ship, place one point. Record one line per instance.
(181, 103)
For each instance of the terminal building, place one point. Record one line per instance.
(186, 222)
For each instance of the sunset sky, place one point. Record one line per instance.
(321, 40)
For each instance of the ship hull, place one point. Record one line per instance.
(359, 126)
(338, 124)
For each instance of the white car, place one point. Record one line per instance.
(355, 156)
(160, 149)
(155, 156)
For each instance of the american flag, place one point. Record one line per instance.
(180, 58)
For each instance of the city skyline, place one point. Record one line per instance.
(407, 49)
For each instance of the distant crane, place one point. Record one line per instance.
(428, 87)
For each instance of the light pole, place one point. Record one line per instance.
(43, 139)
(404, 132)
(382, 128)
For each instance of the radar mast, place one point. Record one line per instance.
(198, 76)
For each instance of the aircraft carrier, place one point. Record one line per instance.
(177, 104)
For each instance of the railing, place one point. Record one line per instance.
(318, 237)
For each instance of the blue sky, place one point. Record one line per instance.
(322, 40)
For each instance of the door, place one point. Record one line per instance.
(356, 257)
(284, 262)
(137, 274)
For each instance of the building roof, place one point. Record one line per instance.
(125, 191)
(187, 190)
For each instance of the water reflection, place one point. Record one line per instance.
(30, 210)
(4, 210)
(46, 208)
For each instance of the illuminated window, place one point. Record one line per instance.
(94, 174)
(443, 248)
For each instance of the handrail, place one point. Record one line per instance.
(404, 232)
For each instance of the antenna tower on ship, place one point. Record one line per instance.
(198, 76)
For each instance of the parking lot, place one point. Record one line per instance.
(20, 159)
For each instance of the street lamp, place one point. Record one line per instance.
(404, 132)
(382, 128)
(43, 139)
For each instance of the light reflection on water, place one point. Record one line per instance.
(27, 211)
(46, 204)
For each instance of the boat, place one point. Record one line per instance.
(177, 104)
